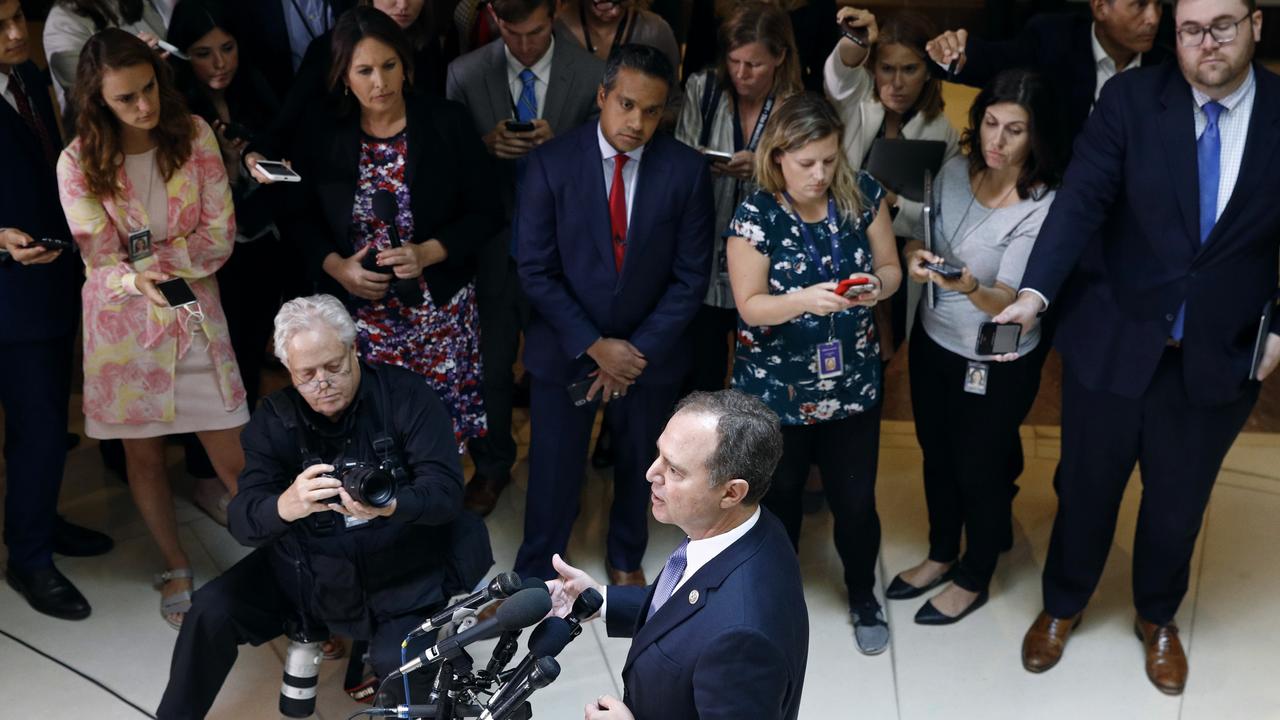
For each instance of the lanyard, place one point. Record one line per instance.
(757, 132)
(811, 247)
(618, 34)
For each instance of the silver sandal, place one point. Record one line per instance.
(179, 602)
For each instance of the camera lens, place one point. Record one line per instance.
(370, 486)
(301, 676)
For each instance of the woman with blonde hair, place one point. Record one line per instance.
(725, 111)
(810, 254)
(146, 197)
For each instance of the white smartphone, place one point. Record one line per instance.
(278, 171)
(717, 156)
(172, 50)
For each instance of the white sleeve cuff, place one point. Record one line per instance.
(1038, 294)
(129, 281)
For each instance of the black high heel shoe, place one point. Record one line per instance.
(900, 589)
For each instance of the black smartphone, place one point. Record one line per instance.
(998, 338)
(716, 156)
(236, 131)
(517, 126)
(858, 35)
(177, 292)
(55, 244)
(945, 270)
(578, 391)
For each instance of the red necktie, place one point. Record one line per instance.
(618, 210)
(29, 116)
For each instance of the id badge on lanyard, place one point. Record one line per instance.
(829, 355)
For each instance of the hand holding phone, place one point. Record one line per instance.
(176, 292)
(518, 126)
(276, 170)
(945, 270)
(998, 338)
(56, 244)
(860, 35)
(855, 286)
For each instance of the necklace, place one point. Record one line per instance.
(973, 200)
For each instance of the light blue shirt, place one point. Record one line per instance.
(1233, 129)
(305, 20)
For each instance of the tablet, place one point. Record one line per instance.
(900, 164)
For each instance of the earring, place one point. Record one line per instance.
(347, 91)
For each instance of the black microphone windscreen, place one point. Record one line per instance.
(508, 584)
(547, 671)
(588, 603)
(550, 637)
(523, 609)
(385, 206)
(535, 583)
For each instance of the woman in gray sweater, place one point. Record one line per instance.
(989, 209)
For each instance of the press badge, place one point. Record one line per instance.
(975, 378)
(830, 360)
(351, 522)
(139, 244)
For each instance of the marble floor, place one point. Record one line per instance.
(971, 670)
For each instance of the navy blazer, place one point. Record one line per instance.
(565, 256)
(732, 642)
(37, 302)
(1127, 218)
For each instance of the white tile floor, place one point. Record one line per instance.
(1229, 623)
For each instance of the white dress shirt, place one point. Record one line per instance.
(1233, 130)
(541, 74)
(630, 171)
(1104, 66)
(4, 90)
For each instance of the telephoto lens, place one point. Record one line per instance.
(301, 676)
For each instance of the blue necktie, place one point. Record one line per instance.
(527, 107)
(671, 574)
(1209, 163)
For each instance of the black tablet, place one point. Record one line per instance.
(900, 164)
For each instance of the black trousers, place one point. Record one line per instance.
(711, 332)
(847, 452)
(1178, 448)
(971, 446)
(35, 388)
(252, 288)
(504, 312)
(246, 605)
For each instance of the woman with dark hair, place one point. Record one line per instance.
(725, 110)
(967, 408)
(413, 160)
(810, 352)
(70, 23)
(602, 25)
(145, 193)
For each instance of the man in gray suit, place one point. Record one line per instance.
(522, 90)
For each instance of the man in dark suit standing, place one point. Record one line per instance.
(613, 229)
(724, 632)
(1076, 54)
(1173, 181)
(525, 76)
(274, 34)
(39, 309)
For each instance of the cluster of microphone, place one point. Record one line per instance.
(523, 605)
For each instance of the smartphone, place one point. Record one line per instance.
(172, 50)
(998, 338)
(578, 391)
(236, 131)
(858, 35)
(278, 171)
(715, 156)
(859, 285)
(56, 244)
(945, 270)
(370, 263)
(177, 292)
(517, 126)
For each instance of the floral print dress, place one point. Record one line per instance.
(441, 344)
(778, 364)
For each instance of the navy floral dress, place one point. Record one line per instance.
(778, 364)
(441, 344)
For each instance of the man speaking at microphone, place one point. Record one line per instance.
(724, 632)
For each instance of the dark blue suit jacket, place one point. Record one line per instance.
(737, 649)
(37, 302)
(566, 261)
(1127, 219)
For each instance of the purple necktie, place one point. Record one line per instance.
(671, 574)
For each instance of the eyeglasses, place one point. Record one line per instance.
(308, 382)
(1222, 32)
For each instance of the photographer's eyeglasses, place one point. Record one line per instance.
(1222, 32)
(307, 381)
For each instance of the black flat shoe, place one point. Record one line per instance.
(900, 589)
(49, 592)
(75, 541)
(930, 615)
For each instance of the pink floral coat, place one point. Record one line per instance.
(131, 347)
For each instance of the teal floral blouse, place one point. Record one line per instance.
(778, 364)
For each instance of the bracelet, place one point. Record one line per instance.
(976, 285)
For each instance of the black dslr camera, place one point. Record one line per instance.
(366, 483)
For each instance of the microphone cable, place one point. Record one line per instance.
(83, 675)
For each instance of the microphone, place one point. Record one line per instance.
(503, 585)
(506, 701)
(510, 641)
(547, 640)
(522, 610)
(385, 208)
(588, 603)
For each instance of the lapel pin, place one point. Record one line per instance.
(693, 597)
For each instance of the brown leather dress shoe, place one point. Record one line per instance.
(1166, 662)
(483, 491)
(627, 577)
(1043, 644)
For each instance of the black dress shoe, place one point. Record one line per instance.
(75, 541)
(602, 456)
(49, 592)
(900, 589)
(482, 492)
(930, 615)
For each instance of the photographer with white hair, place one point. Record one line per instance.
(352, 495)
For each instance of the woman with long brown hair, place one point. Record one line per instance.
(146, 197)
